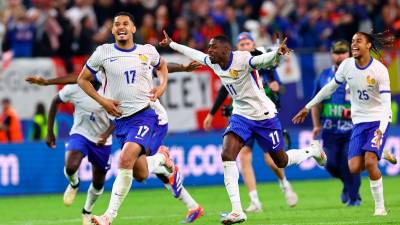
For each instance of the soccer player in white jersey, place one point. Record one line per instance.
(89, 136)
(254, 114)
(245, 42)
(368, 80)
(172, 181)
(128, 92)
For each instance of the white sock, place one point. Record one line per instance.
(162, 170)
(73, 179)
(254, 197)
(155, 161)
(231, 179)
(187, 199)
(284, 183)
(120, 189)
(296, 156)
(91, 197)
(377, 193)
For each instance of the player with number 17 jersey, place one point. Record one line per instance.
(128, 79)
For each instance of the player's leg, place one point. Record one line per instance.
(173, 181)
(284, 184)
(231, 146)
(99, 157)
(96, 189)
(76, 150)
(134, 133)
(371, 159)
(270, 137)
(195, 211)
(246, 157)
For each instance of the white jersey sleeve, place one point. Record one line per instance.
(340, 75)
(65, 94)
(265, 60)
(384, 81)
(153, 54)
(94, 63)
(191, 53)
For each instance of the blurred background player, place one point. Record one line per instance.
(254, 114)
(335, 125)
(245, 42)
(90, 136)
(10, 125)
(371, 113)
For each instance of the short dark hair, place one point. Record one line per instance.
(6, 101)
(125, 14)
(222, 39)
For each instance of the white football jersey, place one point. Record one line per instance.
(242, 82)
(365, 84)
(160, 111)
(128, 74)
(90, 118)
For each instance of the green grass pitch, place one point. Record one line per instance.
(318, 204)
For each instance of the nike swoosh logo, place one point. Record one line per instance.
(112, 60)
(349, 78)
(274, 147)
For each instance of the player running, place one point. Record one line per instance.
(128, 92)
(254, 114)
(369, 84)
(336, 127)
(245, 42)
(89, 136)
(172, 181)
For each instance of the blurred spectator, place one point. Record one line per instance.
(182, 34)
(10, 126)
(66, 37)
(80, 9)
(162, 21)
(233, 24)
(47, 28)
(20, 34)
(147, 33)
(39, 129)
(218, 11)
(86, 37)
(210, 29)
(105, 10)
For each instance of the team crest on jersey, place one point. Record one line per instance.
(370, 81)
(233, 73)
(143, 58)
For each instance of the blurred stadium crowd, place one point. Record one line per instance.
(75, 27)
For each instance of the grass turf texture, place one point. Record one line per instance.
(319, 203)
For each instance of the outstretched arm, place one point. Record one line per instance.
(51, 138)
(188, 52)
(40, 80)
(325, 92)
(176, 67)
(269, 59)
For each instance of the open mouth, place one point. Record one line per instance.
(355, 50)
(122, 33)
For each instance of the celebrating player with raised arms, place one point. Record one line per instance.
(254, 114)
(370, 98)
